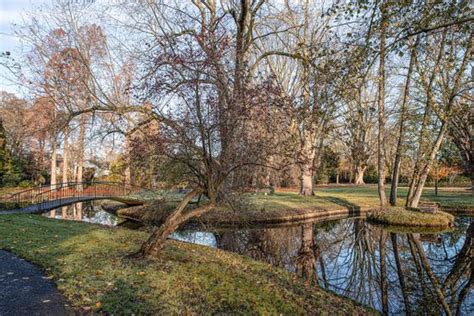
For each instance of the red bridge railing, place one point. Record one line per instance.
(61, 191)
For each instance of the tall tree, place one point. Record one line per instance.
(401, 131)
(450, 76)
(381, 105)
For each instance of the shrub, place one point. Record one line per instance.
(25, 184)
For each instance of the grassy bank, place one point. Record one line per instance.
(259, 208)
(398, 216)
(88, 264)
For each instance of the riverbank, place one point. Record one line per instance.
(283, 207)
(89, 265)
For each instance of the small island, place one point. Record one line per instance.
(399, 216)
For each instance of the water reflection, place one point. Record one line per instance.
(90, 212)
(396, 273)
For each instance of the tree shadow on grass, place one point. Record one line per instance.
(354, 209)
(123, 299)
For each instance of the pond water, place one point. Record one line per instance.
(399, 272)
(89, 211)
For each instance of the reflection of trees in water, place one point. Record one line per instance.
(419, 254)
(463, 266)
(393, 272)
(446, 275)
(277, 246)
(413, 277)
(308, 254)
(84, 211)
(349, 253)
(401, 276)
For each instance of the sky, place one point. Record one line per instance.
(11, 12)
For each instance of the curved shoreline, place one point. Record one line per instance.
(228, 218)
(231, 218)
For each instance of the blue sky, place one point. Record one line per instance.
(11, 12)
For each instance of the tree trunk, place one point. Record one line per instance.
(307, 132)
(401, 131)
(381, 112)
(471, 140)
(359, 175)
(414, 199)
(306, 178)
(156, 241)
(65, 157)
(80, 162)
(53, 164)
(421, 172)
(128, 172)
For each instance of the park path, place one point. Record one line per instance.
(24, 290)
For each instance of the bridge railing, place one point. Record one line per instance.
(60, 191)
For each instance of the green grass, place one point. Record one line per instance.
(398, 216)
(333, 197)
(259, 208)
(89, 265)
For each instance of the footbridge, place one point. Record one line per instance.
(45, 198)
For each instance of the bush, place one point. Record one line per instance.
(11, 179)
(25, 184)
(371, 175)
(271, 190)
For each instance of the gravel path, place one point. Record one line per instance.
(24, 290)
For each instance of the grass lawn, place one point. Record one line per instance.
(366, 196)
(89, 265)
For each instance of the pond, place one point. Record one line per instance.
(89, 211)
(398, 272)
